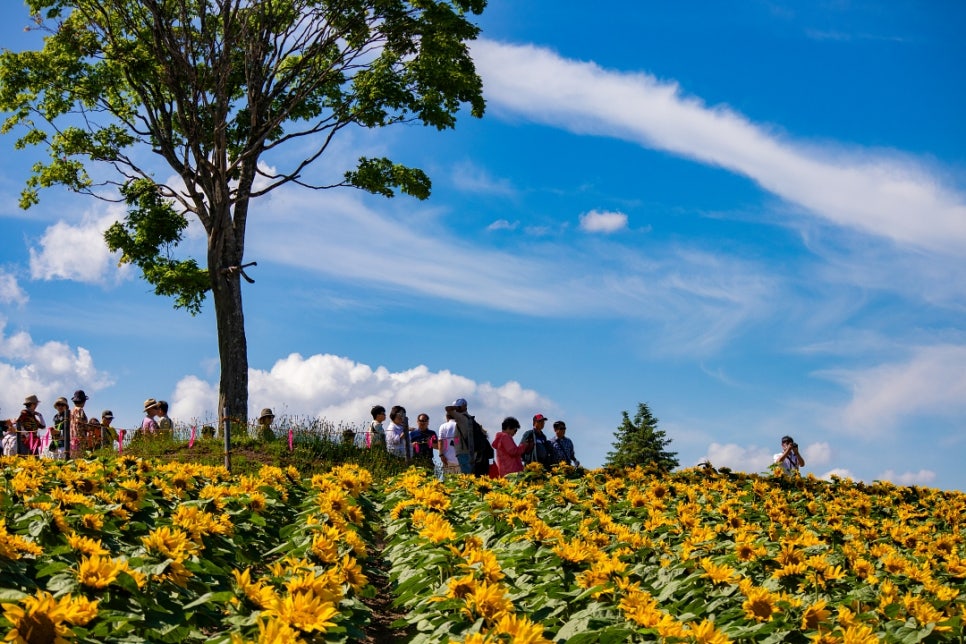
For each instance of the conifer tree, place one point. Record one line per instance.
(640, 442)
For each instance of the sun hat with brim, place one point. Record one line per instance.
(32, 398)
(266, 413)
(61, 401)
(150, 403)
(107, 413)
(80, 396)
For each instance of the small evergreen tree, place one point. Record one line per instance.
(641, 443)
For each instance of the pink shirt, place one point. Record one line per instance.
(148, 425)
(508, 454)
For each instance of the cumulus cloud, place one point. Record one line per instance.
(338, 389)
(739, 458)
(817, 454)
(49, 370)
(922, 477)
(10, 291)
(870, 192)
(597, 221)
(931, 382)
(77, 252)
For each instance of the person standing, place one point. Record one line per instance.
(423, 441)
(563, 447)
(28, 424)
(542, 451)
(377, 433)
(789, 459)
(398, 433)
(78, 421)
(447, 447)
(463, 439)
(148, 425)
(265, 432)
(508, 453)
(164, 421)
(60, 438)
(108, 433)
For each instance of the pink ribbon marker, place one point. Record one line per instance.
(290, 439)
(120, 441)
(191, 441)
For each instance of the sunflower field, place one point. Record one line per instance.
(132, 550)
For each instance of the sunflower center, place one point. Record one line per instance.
(37, 628)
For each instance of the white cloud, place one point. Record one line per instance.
(470, 178)
(840, 472)
(817, 454)
(930, 382)
(10, 291)
(48, 370)
(503, 224)
(341, 390)
(597, 221)
(859, 190)
(740, 459)
(77, 252)
(700, 298)
(922, 477)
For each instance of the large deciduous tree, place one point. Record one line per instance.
(640, 442)
(210, 87)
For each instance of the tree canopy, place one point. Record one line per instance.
(178, 102)
(640, 442)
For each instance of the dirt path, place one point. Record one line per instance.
(380, 629)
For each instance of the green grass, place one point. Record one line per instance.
(315, 449)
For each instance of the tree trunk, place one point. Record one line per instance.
(224, 257)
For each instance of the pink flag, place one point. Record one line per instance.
(120, 441)
(191, 441)
(290, 439)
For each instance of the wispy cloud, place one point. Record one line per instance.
(471, 178)
(930, 382)
(503, 224)
(597, 221)
(699, 296)
(878, 194)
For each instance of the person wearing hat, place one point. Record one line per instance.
(265, 419)
(60, 436)
(148, 426)
(108, 433)
(464, 434)
(78, 420)
(541, 452)
(563, 447)
(29, 421)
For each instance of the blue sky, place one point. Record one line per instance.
(751, 217)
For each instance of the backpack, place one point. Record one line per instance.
(482, 450)
(541, 449)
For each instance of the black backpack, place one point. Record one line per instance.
(482, 450)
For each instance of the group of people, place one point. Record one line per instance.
(71, 430)
(464, 446)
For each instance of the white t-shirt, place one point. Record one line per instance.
(446, 435)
